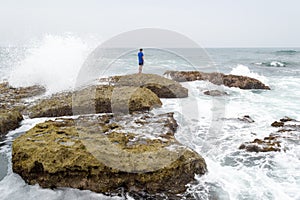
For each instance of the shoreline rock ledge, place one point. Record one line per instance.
(161, 86)
(108, 153)
(95, 99)
(242, 82)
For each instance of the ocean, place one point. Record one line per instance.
(208, 125)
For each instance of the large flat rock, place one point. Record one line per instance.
(104, 153)
(161, 86)
(242, 82)
(96, 99)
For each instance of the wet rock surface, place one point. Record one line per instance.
(12, 102)
(262, 145)
(241, 82)
(96, 99)
(246, 118)
(9, 120)
(161, 86)
(106, 152)
(11, 97)
(287, 129)
(215, 93)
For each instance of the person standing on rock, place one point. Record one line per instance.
(141, 60)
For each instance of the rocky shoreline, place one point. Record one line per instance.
(114, 141)
(123, 147)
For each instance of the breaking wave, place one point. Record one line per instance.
(53, 62)
(273, 64)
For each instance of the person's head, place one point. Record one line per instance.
(141, 49)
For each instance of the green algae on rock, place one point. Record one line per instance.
(9, 120)
(103, 153)
(96, 99)
(161, 86)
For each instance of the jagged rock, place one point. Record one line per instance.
(104, 153)
(13, 98)
(265, 145)
(215, 93)
(246, 118)
(287, 119)
(277, 124)
(289, 129)
(230, 80)
(9, 120)
(96, 99)
(161, 86)
(287, 125)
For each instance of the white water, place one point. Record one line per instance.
(243, 70)
(53, 62)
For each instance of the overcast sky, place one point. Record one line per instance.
(211, 23)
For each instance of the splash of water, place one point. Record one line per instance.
(53, 62)
(243, 70)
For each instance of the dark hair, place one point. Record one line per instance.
(141, 49)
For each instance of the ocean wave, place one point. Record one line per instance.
(273, 64)
(53, 62)
(287, 52)
(242, 70)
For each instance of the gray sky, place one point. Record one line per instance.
(211, 23)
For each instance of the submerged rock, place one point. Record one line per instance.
(289, 129)
(265, 145)
(277, 124)
(215, 93)
(9, 120)
(96, 99)
(161, 86)
(229, 80)
(104, 153)
(246, 118)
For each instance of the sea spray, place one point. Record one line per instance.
(243, 70)
(54, 62)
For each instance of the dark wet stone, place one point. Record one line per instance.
(215, 93)
(277, 124)
(289, 129)
(246, 118)
(229, 80)
(264, 145)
